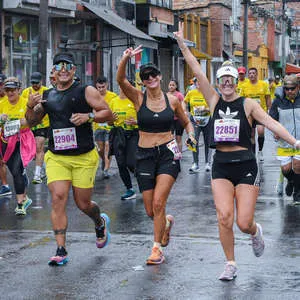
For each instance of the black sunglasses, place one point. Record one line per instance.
(145, 75)
(290, 88)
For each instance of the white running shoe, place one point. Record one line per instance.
(207, 167)
(194, 168)
(258, 244)
(229, 272)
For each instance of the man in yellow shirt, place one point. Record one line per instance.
(101, 130)
(259, 91)
(274, 85)
(5, 188)
(199, 116)
(242, 78)
(40, 131)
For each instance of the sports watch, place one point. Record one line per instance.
(91, 117)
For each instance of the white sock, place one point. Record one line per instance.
(37, 171)
(231, 262)
(158, 245)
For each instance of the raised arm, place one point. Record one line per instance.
(207, 90)
(131, 92)
(35, 111)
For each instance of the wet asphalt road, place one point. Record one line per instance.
(194, 258)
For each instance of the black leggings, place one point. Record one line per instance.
(126, 158)
(15, 166)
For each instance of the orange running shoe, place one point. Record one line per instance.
(156, 257)
(166, 237)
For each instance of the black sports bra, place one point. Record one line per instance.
(151, 121)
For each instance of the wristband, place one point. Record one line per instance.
(297, 143)
(29, 107)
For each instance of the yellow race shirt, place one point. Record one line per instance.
(16, 111)
(240, 85)
(125, 110)
(45, 121)
(109, 96)
(198, 107)
(257, 92)
(273, 87)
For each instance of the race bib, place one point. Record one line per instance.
(64, 138)
(226, 130)
(173, 147)
(11, 127)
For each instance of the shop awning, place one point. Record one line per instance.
(113, 19)
(187, 42)
(56, 9)
(200, 55)
(292, 69)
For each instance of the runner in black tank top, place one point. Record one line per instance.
(234, 170)
(157, 155)
(72, 158)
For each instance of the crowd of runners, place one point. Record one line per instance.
(84, 127)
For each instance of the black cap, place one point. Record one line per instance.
(63, 57)
(148, 67)
(36, 77)
(2, 78)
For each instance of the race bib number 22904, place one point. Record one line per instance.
(64, 138)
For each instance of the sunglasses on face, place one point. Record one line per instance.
(225, 79)
(290, 88)
(68, 67)
(12, 90)
(146, 75)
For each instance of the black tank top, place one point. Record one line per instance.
(226, 131)
(150, 121)
(59, 106)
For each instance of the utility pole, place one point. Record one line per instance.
(283, 29)
(1, 34)
(43, 39)
(245, 37)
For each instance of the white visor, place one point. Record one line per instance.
(227, 71)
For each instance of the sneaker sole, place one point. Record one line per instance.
(6, 194)
(128, 198)
(228, 279)
(20, 213)
(55, 263)
(154, 262)
(107, 225)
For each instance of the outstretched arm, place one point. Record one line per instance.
(130, 92)
(207, 90)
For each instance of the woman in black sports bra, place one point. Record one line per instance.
(234, 170)
(158, 154)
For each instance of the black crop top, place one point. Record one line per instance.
(230, 125)
(151, 121)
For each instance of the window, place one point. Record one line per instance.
(204, 32)
(226, 35)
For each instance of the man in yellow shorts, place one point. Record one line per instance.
(72, 159)
(286, 110)
(259, 91)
